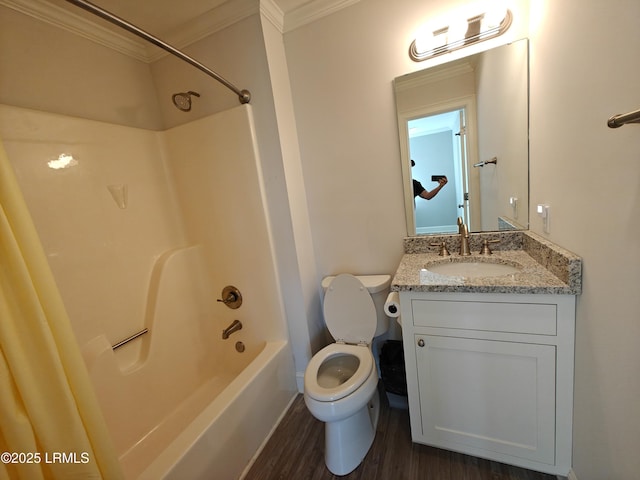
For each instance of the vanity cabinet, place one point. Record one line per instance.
(491, 375)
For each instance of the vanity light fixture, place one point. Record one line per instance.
(476, 29)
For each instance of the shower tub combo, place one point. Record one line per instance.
(139, 236)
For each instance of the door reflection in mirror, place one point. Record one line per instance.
(439, 142)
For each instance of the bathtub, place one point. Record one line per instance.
(223, 438)
(191, 405)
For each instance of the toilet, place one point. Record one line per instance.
(340, 382)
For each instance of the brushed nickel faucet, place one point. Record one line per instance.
(464, 237)
(234, 327)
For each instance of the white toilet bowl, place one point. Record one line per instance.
(340, 382)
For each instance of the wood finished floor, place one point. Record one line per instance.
(296, 452)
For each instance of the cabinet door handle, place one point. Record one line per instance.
(421, 343)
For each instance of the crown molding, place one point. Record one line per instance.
(272, 12)
(211, 22)
(312, 11)
(427, 77)
(61, 18)
(206, 24)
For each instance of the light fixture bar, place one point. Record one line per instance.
(474, 34)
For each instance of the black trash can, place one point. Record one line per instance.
(394, 376)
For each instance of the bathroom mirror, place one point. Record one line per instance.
(468, 120)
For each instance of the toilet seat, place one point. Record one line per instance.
(364, 370)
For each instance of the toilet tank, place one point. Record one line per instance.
(378, 286)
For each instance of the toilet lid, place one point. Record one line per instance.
(349, 311)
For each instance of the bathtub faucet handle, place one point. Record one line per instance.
(231, 297)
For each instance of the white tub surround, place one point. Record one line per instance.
(143, 230)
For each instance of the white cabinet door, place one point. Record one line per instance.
(486, 396)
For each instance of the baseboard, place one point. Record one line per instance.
(572, 476)
(300, 381)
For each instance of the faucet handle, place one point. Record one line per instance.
(231, 297)
(443, 249)
(485, 250)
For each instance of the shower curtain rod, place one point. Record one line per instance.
(622, 119)
(243, 95)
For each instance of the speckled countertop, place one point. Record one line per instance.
(543, 266)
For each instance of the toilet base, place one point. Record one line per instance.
(348, 441)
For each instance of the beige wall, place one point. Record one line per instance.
(236, 52)
(47, 68)
(584, 68)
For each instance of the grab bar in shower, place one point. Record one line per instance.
(243, 95)
(128, 339)
(619, 120)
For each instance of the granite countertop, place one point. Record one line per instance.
(545, 268)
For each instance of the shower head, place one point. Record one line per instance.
(182, 100)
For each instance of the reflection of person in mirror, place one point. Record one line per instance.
(420, 191)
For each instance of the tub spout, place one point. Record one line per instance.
(234, 327)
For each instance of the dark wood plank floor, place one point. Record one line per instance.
(296, 452)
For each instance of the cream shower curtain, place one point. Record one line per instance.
(50, 422)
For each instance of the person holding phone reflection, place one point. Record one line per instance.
(420, 191)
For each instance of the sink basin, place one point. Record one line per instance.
(473, 267)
